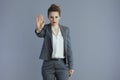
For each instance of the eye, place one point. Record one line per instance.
(51, 16)
(56, 16)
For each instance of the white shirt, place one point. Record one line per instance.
(58, 45)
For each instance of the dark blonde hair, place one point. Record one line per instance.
(53, 8)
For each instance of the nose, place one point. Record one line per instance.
(53, 19)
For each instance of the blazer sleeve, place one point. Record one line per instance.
(69, 50)
(41, 33)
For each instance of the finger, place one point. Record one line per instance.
(43, 23)
(37, 20)
(42, 18)
(71, 72)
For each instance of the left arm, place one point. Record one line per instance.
(69, 53)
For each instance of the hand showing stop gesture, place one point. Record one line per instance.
(40, 23)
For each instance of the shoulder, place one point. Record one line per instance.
(64, 27)
(46, 25)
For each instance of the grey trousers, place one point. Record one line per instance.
(55, 70)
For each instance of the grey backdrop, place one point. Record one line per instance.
(95, 36)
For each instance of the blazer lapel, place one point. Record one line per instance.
(62, 31)
(64, 38)
(50, 30)
(50, 35)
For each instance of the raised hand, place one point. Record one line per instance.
(40, 23)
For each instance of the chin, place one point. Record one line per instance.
(54, 24)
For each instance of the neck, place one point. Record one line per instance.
(55, 26)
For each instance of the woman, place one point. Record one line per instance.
(56, 50)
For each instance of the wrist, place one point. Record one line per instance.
(38, 30)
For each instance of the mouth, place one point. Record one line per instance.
(54, 22)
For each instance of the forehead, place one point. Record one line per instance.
(54, 13)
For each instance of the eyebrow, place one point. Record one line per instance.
(53, 16)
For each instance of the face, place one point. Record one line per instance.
(54, 18)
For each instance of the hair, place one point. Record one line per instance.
(53, 8)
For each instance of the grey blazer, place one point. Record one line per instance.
(47, 49)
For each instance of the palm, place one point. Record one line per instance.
(40, 22)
